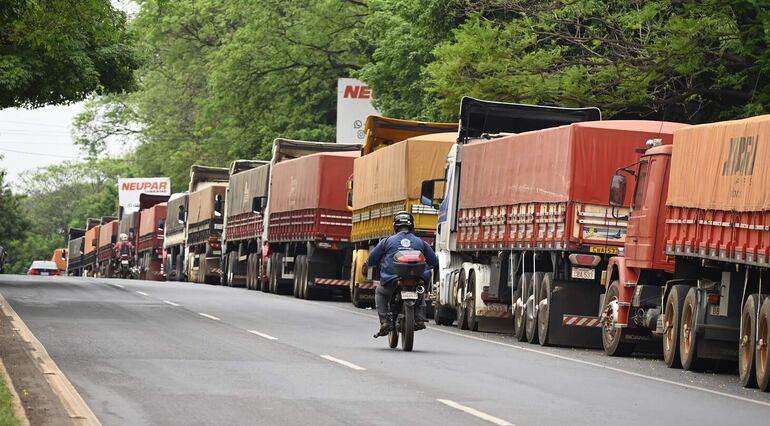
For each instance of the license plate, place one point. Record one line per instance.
(124, 262)
(216, 252)
(44, 273)
(408, 295)
(603, 249)
(583, 273)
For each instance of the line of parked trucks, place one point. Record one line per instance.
(515, 200)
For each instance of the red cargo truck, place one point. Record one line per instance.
(149, 245)
(108, 236)
(309, 224)
(696, 260)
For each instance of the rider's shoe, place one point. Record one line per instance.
(419, 325)
(385, 329)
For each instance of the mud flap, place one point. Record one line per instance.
(574, 298)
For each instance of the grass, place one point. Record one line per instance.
(7, 416)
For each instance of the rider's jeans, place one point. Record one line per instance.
(382, 297)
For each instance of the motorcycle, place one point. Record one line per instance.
(124, 266)
(409, 266)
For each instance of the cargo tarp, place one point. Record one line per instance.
(151, 218)
(172, 213)
(91, 236)
(201, 203)
(315, 181)
(108, 231)
(567, 163)
(722, 166)
(396, 172)
(383, 131)
(244, 186)
(203, 176)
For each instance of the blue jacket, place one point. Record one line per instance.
(383, 254)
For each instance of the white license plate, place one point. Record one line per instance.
(124, 262)
(583, 273)
(216, 252)
(44, 273)
(408, 295)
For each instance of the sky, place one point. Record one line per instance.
(32, 138)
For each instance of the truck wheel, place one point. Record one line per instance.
(355, 296)
(543, 311)
(297, 276)
(473, 323)
(462, 313)
(442, 315)
(232, 267)
(531, 312)
(612, 337)
(674, 303)
(519, 312)
(688, 340)
(225, 262)
(179, 267)
(263, 284)
(762, 361)
(250, 271)
(305, 287)
(275, 267)
(747, 341)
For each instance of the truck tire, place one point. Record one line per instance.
(612, 337)
(275, 265)
(473, 323)
(297, 277)
(249, 272)
(543, 310)
(462, 313)
(442, 315)
(519, 318)
(688, 339)
(671, 315)
(762, 360)
(232, 268)
(180, 267)
(306, 290)
(264, 285)
(747, 341)
(223, 278)
(531, 311)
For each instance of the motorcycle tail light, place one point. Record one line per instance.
(215, 246)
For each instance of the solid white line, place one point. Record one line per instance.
(266, 336)
(168, 302)
(474, 412)
(566, 358)
(342, 362)
(208, 316)
(118, 285)
(142, 293)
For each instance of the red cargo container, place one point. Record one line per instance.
(150, 241)
(307, 198)
(548, 188)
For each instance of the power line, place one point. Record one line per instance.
(33, 123)
(39, 154)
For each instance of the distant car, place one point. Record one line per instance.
(43, 267)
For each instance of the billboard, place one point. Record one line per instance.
(130, 188)
(354, 104)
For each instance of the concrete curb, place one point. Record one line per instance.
(76, 407)
(18, 407)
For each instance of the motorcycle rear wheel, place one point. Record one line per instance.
(393, 338)
(407, 340)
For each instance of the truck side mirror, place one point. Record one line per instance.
(258, 204)
(180, 215)
(427, 192)
(161, 225)
(217, 205)
(618, 191)
(349, 198)
(64, 254)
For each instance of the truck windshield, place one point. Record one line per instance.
(641, 185)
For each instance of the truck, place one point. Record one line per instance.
(74, 258)
(525, 230)
(174, 237)
(90, 246)
(694, 269)
(397, 156)
(108, 236)
(59, 257)
(204, 223)
(301, 234)
(130, 222)
(149, 245)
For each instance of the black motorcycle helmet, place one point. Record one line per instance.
(401, 219)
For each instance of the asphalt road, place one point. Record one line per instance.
(143, 352)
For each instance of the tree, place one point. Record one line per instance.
(692, 61)
(59, 51)
(13, 222)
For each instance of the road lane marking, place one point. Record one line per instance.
(343, 362)
(208, 316)
(566, 358)
(142, 293)
(474, 412)
(266, 336)
(118, 285)
(168, 302)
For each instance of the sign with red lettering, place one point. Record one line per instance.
(129, 190)
(354, 104)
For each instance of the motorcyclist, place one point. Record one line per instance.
(123, 246)
(382, 255)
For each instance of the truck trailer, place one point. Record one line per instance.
(149, 246)
(694, 270)
(174, 237)
(204, 223)
(525, 230)
(90, 246)
(397, 156)
(108, 236)
(75, 239)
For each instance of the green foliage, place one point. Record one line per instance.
(7, 413)
(58, 51)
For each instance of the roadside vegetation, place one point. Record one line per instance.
(7, 415)
(209, 81)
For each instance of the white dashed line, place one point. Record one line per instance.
(118, 285)
(208, 316)
(168, 302)
(142, 293)
(474, 412)
(266, 336)
(342, 362)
